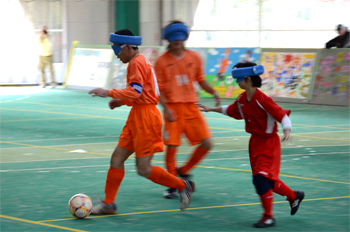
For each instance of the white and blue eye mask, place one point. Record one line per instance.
(240, 73)
(177, 31)
(125, 40)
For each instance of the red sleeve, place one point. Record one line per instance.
(234, 111)
(135, 75)
(273, 109)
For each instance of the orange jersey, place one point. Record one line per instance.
(142, 84)
(177, 74)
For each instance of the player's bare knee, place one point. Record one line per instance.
(144, 171)
(207, 143)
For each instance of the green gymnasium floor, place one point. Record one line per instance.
(56, 143)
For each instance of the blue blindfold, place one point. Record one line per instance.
(240, 73)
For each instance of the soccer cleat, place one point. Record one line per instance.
(183, 176)
(170, 193)
(265, 221)
(103, 208)
(186, 194)
(294, 205)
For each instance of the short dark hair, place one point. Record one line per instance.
(126, 32)
(256, 80)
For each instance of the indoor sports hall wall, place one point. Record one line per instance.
(317, 76)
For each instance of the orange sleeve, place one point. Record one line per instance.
(126, 102)
(200, 71)
(135, 82)
(160, 74)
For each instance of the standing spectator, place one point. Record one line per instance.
(342, 40)
(45, 58)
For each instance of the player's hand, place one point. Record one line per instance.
(115, 103)
(170, 115)
(217, 98)
(99, 92)
(202, 107)
(286, 136)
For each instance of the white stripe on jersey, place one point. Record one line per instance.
(239, 106)
(155, 82)
(270, 120)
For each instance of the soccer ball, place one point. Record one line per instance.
(80, 205)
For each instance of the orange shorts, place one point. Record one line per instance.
(142, 132)
(189, 121)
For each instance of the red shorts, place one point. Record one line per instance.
(189, 121)
(265, 155)
(142, 132)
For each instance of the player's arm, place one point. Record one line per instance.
(161, 79)
(207, 88)
(132, 92)
(169, 114)
(229, 110)
(281, 115)
(205, 108)
(204, 84)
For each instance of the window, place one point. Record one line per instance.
(46, 13)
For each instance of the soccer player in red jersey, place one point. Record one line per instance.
(177, 69)
(142, 132)
(260, 114)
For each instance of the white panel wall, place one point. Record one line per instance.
(89, 21)
(152, 18)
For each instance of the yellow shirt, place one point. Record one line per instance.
(45, 48)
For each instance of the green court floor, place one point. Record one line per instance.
(56, 143)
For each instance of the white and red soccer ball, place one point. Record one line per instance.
(80, 205)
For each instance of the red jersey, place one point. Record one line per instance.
(260, 114)
(177, 74)
(142, 84)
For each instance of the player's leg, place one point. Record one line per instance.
(294, 197)
(198, 154)
(171, 137)
(265, 168)
(197, 132)
(53, 82)
(42, 70)
(160, 176)
(264, 190)
(114, 178)
(170, 163)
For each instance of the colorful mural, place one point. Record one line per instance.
(219, 65)
(287, 74)
(332, 77)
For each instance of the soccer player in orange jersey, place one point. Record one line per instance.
(177, 70)
(142, 132)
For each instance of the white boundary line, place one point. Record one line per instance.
(160, 154)
(15, 99)
(56, 168)
(42, 140)
(92, 166)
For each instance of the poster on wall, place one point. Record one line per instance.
(287, 74)
(332, 78)
(90, 68)
(219, 63)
